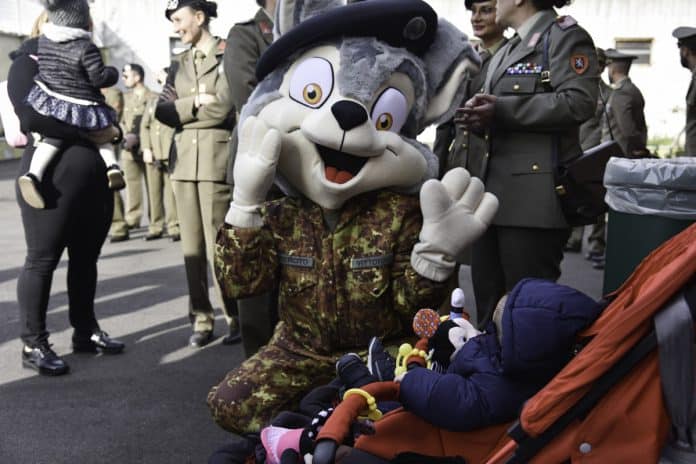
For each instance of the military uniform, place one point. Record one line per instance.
(337, 289)
(119, 229)
(691, 117)
(158, 138)
(538, 111)
(462, 147)
(246, 42)
(626, 122)
(198, 174)
(134, 103)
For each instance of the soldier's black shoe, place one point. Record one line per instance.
(176, 237)
(594, 255)
(380, 364)
(44, 360)
(201, 338)
(119, 238)
(98, 342)
(233, 337)
(573, 247)
(598, 264)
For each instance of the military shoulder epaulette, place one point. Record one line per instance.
(266, 27)
(248, 22)
(564, 22)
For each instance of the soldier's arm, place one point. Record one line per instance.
(218, 112)
(573, 98)
(145, 125)
(245, 261)
(443, 140)
(410, 290)
(241, 55)
(624, 111)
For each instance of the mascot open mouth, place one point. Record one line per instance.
(340, 167)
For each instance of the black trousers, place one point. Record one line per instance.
(505, 255)
(77, 217)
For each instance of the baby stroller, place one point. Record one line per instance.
(626, 397)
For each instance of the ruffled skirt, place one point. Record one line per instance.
(85, 116)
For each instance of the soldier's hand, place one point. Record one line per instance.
(130, 140)
(477, 113)
(147, 156)
(168, 93)
(456, 212)
(256, 162)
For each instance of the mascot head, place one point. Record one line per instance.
(349, 86)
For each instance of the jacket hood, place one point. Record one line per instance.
(539, 324)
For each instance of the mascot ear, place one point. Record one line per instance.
(289, 13)
(449, 62)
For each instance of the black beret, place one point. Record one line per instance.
(411, 24)
(210, 8)
(686, 36)
(615, 55)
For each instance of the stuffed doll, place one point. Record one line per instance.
(365, 233)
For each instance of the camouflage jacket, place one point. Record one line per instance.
(337, 289)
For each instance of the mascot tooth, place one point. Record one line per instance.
(365, 235)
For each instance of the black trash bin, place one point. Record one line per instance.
(650, 200)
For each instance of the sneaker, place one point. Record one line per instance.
(115, 175)
(44, 360)
(353, 372)
(379, 362)
(29, 188)
(97, 342)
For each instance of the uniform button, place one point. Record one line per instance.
(194, 140)
(463, 145)
(486, 155)
(516, 87)
(486, 137)
(465, 132)
(585, 448)
(193, 89)
(535, 167)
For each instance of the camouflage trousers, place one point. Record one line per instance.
(273, 380)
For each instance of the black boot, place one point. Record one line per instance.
(44, 360)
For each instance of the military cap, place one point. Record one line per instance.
(411, 24)
(210, 8)
(615, 55)
(469, 4)
(685, 36)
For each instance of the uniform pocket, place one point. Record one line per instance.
(518, 84)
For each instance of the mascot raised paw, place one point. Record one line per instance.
(365, 234)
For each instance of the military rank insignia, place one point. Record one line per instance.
(579, 63)
(265, 27)
(524, 68)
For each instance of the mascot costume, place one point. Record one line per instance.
(342, 94)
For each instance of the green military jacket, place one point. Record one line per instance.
(155, 135)
(591, 130)
(246, 42)
(466, 148)
(626, 119)
(691, 118)
(202, 134)
(337, 288)
(114, 98)
(537, 115)
(134, 104)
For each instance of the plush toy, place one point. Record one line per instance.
(343, 92)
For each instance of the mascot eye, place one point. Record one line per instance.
(390, 110)
(312, 82)
(312, 94)
(385, 121)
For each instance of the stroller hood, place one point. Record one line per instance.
(539, 323)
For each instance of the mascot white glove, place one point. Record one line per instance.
(456, 212)
(254, 171)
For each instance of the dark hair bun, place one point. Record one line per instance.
(210, 8)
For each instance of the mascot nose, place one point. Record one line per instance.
(349, 114)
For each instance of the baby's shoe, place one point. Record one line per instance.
(115, 175)
(29, 188)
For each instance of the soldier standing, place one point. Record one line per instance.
(134, 103)
(686, 41)
(246, 42)
(625, 120)
(540, 86)
(456, 146)
(156, 141)
(196, 102)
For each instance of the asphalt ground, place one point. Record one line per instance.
(148, 404)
